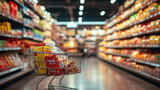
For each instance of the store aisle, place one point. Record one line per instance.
(96, 75)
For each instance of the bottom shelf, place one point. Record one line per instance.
(14, 76)
(139, 73)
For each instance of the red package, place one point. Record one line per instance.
(3, 64)
(53, 65)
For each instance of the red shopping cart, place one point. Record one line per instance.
(46, 63)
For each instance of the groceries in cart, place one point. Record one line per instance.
(51, 60)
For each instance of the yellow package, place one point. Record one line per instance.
(40, 59)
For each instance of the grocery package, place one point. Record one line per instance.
(5, 27)
(3, 64)
(37, 34)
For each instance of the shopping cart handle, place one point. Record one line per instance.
(27, 45)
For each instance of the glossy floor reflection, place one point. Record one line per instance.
(96, 75)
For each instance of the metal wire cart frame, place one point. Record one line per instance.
(53, 64)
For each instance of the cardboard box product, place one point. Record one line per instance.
(40, 64)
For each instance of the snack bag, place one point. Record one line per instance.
(3, 64)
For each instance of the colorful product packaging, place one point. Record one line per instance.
(40, 64)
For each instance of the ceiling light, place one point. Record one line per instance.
(80, 19)
(43, 8)
(81, 7)
(80, 13)
(102, 13)
(112, 1)
(82, 1)
(35, 1)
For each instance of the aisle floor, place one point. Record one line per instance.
(96, 75)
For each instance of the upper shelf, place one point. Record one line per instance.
(10, 36)
(153, 31)
(36, 12)
(18, 3)
(156, 15)
(117, 14)
(14, 21)
(11, 49)
(134, 12)
(39, 27)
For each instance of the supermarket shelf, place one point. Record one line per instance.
(134, 46)
(18, 22)
(143, 7)
(10, 36)
(27, 37)
(17, 2)
(108, 33)
(116, 54)
(39, 27)
(36, 12)
(116, 15)
(129, 69)
(141, 21)
(90, 47)
(89, 40)
(131, 59)
(37, 39)
(25, 14)
(14, 76)
(10, 49)
(146, 63)
(7, 17)
(27, 26)
(137, 34)
(10, 70)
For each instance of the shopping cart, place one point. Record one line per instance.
(53, 64)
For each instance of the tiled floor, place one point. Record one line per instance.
(96, 75)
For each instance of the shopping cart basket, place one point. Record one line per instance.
(53, 64)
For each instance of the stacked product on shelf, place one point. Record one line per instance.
(70, 43)
(90, 39)
(132, 39)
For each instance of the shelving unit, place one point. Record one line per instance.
(134, 46)
(10, 49)
(39, 27)
(133, 13)
(115, 54)
(29, 6)
(10, 36)
(144, 62)
(117, 45)
(129, 69)
(14, 71)
(154, 31)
